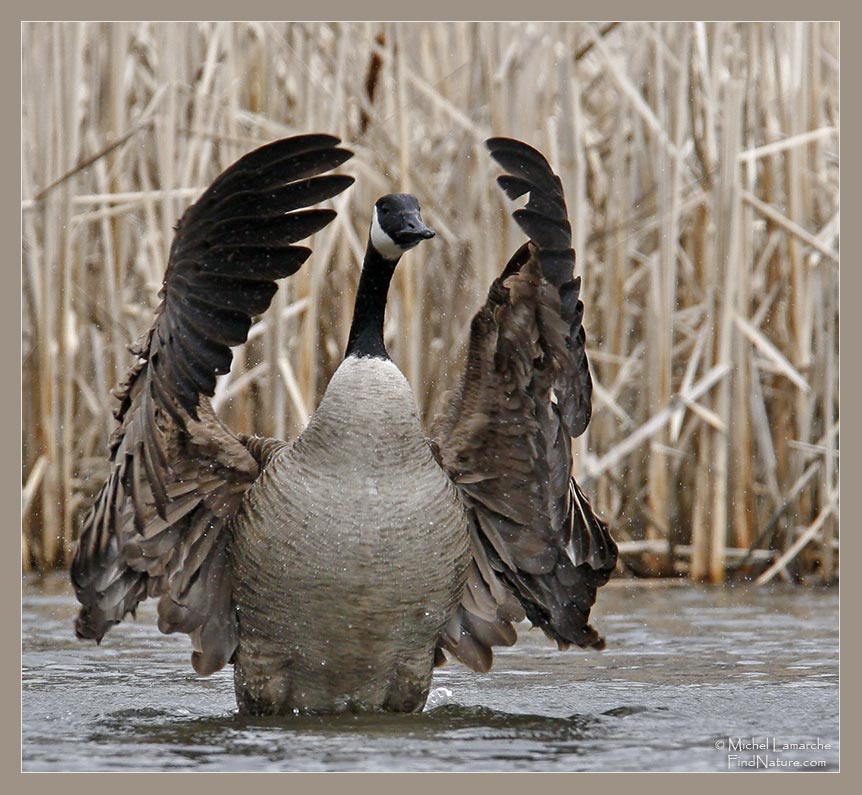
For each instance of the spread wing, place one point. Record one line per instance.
(538, 548)
(157, 528)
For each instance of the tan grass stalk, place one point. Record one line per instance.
(700, 163)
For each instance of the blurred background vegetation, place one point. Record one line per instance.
(700, 163)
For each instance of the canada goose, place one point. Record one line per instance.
(336, 570)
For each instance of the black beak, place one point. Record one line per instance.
(417, 235)
(413, 232)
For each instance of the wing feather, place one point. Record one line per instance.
(157, 527)
(539, 550)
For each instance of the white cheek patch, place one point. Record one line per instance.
(385, 245)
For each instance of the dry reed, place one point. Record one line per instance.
(700, 161)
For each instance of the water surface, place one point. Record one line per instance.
(690, 677)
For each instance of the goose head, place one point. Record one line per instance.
(397, 226)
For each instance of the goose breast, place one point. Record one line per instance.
(349, 553)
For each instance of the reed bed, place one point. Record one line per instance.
(701, 165)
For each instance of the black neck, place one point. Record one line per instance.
(366, 331)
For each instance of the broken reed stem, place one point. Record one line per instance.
(701, 174)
